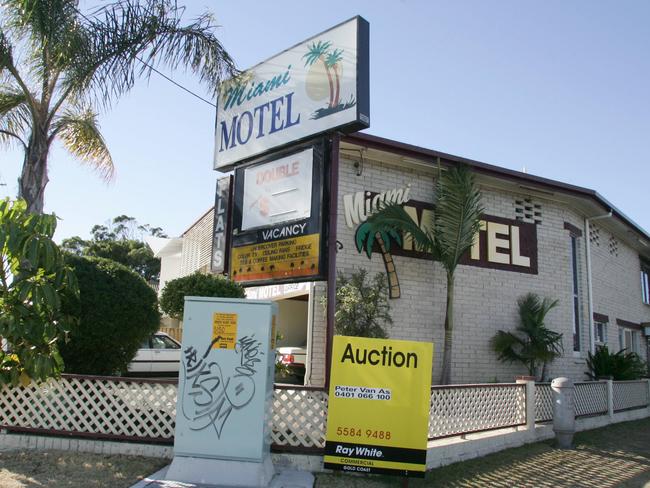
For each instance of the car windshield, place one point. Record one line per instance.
(162, 342)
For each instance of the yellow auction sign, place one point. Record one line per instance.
(378, 413)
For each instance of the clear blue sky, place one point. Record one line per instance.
(560, 88)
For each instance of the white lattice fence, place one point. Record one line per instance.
(630, 394)
(299, 418)
(543, 402)
(591, 398)
(98, 406)
(462, 409)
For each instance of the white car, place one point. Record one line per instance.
(159, 354)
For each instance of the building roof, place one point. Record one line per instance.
(431, 157)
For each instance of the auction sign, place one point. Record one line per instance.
(378, 413)
(316, 86)
(277, 221)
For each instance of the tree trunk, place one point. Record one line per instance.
(445, 376)
(33, 178)
(331, 82)
(391, 273)
(337, 93)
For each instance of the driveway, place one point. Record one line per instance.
(614, 456)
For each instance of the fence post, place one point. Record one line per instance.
(564, 411)
(610, 399)
(529, 401)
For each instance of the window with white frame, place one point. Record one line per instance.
(600, 333)
(629, 340)
(576, 296)
(645, 283)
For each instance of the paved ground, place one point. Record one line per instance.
(615, 456)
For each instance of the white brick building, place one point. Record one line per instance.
(566, 245)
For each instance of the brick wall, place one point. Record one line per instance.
(485, 299)
(617, 284)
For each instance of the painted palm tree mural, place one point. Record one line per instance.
(365, 238)
(324, 78)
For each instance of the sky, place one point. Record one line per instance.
(559, 88)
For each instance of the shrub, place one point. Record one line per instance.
(531, 343)
(117, 310)
(362, 307)
(32, 279)
(172, 299)
(619, 366)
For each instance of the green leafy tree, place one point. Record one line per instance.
(454, 225)
(117, 310)
(362, 307)
(619, 366)
(172, 298)
(57, 63)
(531, 343)
(33, 277)
(121, 241)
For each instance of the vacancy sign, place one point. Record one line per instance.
(316, 86)
(378, 411)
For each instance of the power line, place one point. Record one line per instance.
(175, 83)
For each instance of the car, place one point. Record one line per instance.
(159, 354)
(290, 364)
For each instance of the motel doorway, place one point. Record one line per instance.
(293, 328)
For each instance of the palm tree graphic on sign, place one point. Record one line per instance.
(366, 237)
(324, 78)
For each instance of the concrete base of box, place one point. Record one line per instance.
(221, 472)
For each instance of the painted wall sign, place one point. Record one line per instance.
(277, 221)
(220, 237)
(506, 244)
(316, 86)
(226, 379)
(378, 413)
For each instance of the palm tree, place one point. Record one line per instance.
(531, 343)
(56, 63)
(364, 238)
(318, 52)
(450, 234)
(332, 61)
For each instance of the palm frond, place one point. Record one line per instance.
(457, 215)
(395, 222)
(14, 116)
(316, 50)
(6, 55)
(127, 39)
(79, 132)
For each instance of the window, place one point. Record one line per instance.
(576, 301)
(629, 340)
(162, 342)
(645, 283)
(600, 332)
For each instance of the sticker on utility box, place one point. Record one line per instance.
(224, 330)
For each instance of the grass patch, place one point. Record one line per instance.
(19, 469)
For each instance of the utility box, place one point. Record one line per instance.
(225, 384)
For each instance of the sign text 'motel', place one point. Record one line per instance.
(316, 86)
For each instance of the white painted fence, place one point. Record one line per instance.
(144, 410)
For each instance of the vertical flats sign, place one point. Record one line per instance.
(318, 85)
